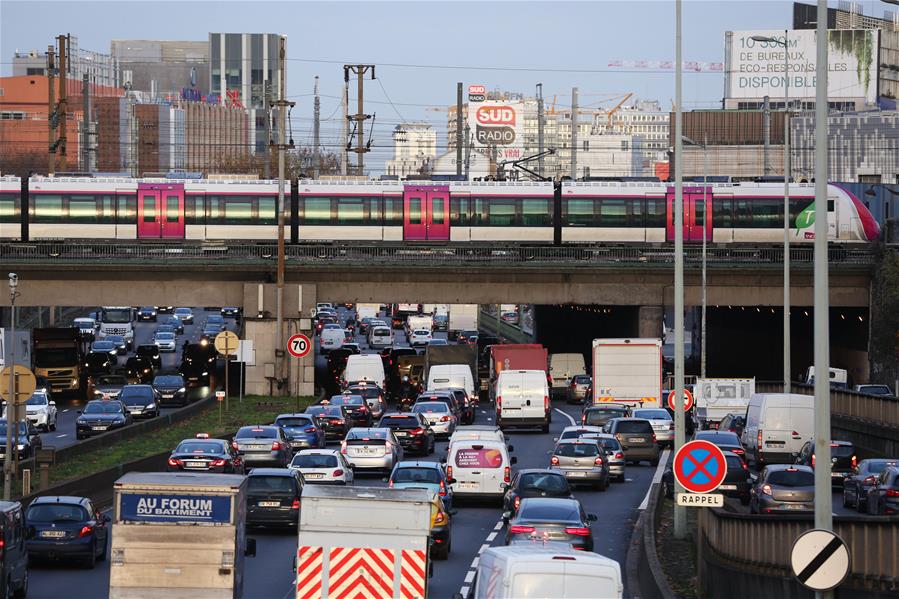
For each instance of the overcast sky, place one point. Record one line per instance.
(517, 44)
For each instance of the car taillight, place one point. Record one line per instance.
(520, 530)
(546, 403)
(619, 456)
(388, 446)
(449, 471)
(499, 401)
(337, 472)
(813, 460)
(738, 451)
(517, 503)
(343, 447)
(554, 461)
(579, 531)
(854, 461)
(86, 530)
(174, 462)
(442, 491)
(744, 465)
(276, 446)
(507, 474)
(444, 419)
(440, 518)
(310, 429)
(869, 480)
(766, 489)
(653, 437)
(296, 504)
(363, 409)
(234, 445)
(759, 439)
(892, 493)
(337, 421)
(583, 419)
(219, 463)
(671, 426)
(390, 484)
(598, 461)
(417, 431)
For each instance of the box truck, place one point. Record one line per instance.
(628, 371)
(515, 356)
(363, 542)
(462, 317)
(178, 535)
(59, 359)
(367, 311)
(562, 367)
(716, 398)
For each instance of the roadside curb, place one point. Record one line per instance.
(644, 576)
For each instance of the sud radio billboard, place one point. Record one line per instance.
(495, 123)
(756, 69)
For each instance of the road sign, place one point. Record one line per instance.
(226, 343)
(699, 466)
(688, 400)
(700, 499)
(299, 345)
(26, 383)
(820, 560)
(220, 396)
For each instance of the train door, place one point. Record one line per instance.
(426, 213)
(160, 211)
(695, 207)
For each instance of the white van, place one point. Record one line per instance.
(447, 376)
(332, 339)
(480, 468)
(380, 336)
(839, 377)
(777, 425)
(548, 570)
(562, 368)
(522, 399)
(477, 432)
(364, 367)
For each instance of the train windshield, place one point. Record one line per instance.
(115, 315)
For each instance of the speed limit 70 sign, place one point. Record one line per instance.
(299, 345)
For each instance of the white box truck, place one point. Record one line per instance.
(178, 535)
(415, 323)
(628, 371)
(462, 317)
(367, 311)
(716, 398)
(363, 542)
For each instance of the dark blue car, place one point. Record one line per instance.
(66, 528)
(302, 431)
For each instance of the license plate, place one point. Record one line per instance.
(728, 487)
(53, 534)
(194, 464)
(99, 428)
(269, 504)
(366, 452)
(400, 434)
(774, 443)
(298, 443)
(167, 396)
(793, 506)
(836, 475)
(135, 412)
(468, 486)
(576, 474)
(637, 440)
(313, 475)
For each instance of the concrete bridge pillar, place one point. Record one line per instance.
(649, 321)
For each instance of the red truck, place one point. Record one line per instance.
(519, 356)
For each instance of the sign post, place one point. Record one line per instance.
(820, 560)
(219, 398)
(700, 468)
(226, 344)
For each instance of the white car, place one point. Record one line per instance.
(165, 341)
(322, 466)
(419, 337)
(40, 411)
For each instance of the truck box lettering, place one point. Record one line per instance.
(139, 507)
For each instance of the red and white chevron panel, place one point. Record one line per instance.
(309, 573)
(413, 574)
(492, 583)
(360, 573)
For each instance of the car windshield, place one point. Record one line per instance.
(842, 451)
(606, 443)
(115, 315)
(215, 320)
(331, 411)
(134, 364)
(84, 323)
(727, 438)
(634, 426)
(652, 414)
(565, 511)
(54, 357)
(366, 392)
(539, 481)
(877, 466)
(347, 400)
(56, 512)
(102, 346)
(117, 339)
(576, 450)
(271, 484)
(261, 432)
(165, 336)
(199, 447)
(315, 460)
(416, 475)
(38, 399)
(791, 478)
(168, 380)
(365, 434)
(136, 393)
(97, 360)
(103, 407)
(23, 430)
(734, 462)
(400, 421)
(112, 379)
(294, 422)
(601, 416)
(430, 406)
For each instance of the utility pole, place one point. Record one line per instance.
(766, 128)
(51, 110)
(540, 125)
(316, 130)
(467, 152)
(360, 117)
(344, 141)
(459, 129)
(574, 134)
(267, 109)
(85, 125)
(63, 99)
(705, 216)
(12, 406)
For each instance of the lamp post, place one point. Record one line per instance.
(11, 409)
(705, 211)
(787, 177)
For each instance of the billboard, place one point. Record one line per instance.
(756, 69)
(495, 123)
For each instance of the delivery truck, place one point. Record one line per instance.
(515, 356)
(628, 371)
(179, 535)
(716, 398)
(415, 322)
(462, 317)
(439, 355)
(363, 542)
(59, 359)
(367, 311)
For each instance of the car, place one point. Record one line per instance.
(170, 321)
(322, 321)
(783, 488)
(509, 317)
(577, 388)
(164, 309)
(734, 423)
(883, 496)
(373, 395)
(138, 370)
(434, 341)
(209, 333)
(878, 390)
(323, 467)
(447, 397)
(302, 431)
(439, 417)
(14, 561)
(165, 341)
(598, 415)
(352, 348)
(576, 432)
(334, 420)
(273, 497)
(466, 405)
(843, 459)
(581, 461)
(738, 481)
(142, 401)
(109, 386)
(146, 313)
(661, 421)
(419, 337)
(215, 320)
(357, 408)
(411, 430)
(87, 327)
(441, 322)
(365, 325)
(96, 364)
(466, 335)
(66, 528)
(185, 315)
(861, 479)
(27, 439)
(424, 475)
(371, 449)
(726, 440)
(636, 437)
(258, 444)
(441, 528)
(614, 453)
(99, 416)
(165, 328)
(556, 519)
(202, 454)
(106, 346)
(150, 351)
(40, 411)
(230, 312)
(121, 344)
(534, 482)
(170, 389)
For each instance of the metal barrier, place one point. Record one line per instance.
(848, 404)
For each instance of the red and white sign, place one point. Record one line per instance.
(299, 345)
(360, 573)
(220, 396)
(687, 403)
(477, 89)
(699, 466)
(496, 115)
(309, 573)
(413, 571)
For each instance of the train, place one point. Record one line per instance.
(443, 212)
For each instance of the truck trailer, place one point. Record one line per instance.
(462, 317)
(628, 371)
(515, 356)
(716, 398)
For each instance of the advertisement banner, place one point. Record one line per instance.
(153, 508)
(756, 69)
(495, 124)
(479, 458)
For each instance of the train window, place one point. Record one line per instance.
(742, 214)
(194, 211)
(830, 205)
(722, 212)
(699, 212)
(797, 205)
(635, 212)
(172, 209)
(48, 208)
(149, 205)
(238, 210)
(580, 212)
(393, 211)
(501, 212)
(613, 212)
(316, 211)
(351, 211)
(656, 212)
(767, 213)
(414, 211)
(535, 212)
(107, 209)
(438, 209)
(267, 213)
(9, 208)
(127, 209)
(459, 211)
(82, 209)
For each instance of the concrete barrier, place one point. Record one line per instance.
(643, 571)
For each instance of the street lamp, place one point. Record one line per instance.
(705, 211)
(8, 467)
(787, 172)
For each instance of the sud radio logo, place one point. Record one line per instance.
(495, 125)
(496, 115)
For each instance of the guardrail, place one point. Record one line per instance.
(643, 571)
(848, 404)
(110, 253)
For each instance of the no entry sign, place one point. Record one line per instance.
(699, 466)
(820, 560)
(687, 403)
(299, 345)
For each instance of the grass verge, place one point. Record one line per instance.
(678, 556)
(254, 409)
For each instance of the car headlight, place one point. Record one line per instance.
(20, 446)
(205, 374)
(150, 406)
(181, 390)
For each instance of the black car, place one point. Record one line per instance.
(28, 440)
(197, 364)
(466, 415)
(99, 416)
(333, 419)
(371, 393)
(150, 351)
(164, 309)
(141, 401)
(230, 312)
(66, 528)
(147, 313)
(98, 363)
(173, 322)
(209, 332)
(860, 481)
(357, 408)
(551, 519)
(14, 560)
(534, 482)
(726, 440)
(171, 389)
(139, 370)
(411, 430)
(599, 415)
(273, 497)
(734, 423)
(203, 454)
(842, 459)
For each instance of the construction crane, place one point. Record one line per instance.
(618, 106)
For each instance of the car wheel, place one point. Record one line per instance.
(654, 461)
(79, 436)
(53, 426)
(102, 556)
(860, 506)
(22, 591)
(845, 499)
(604, 485)
(91, 561)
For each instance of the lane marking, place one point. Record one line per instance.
(469, 577)
(472, 569)
(66, 410)
(566, 415)
(483, 548)
(464, 591)
(660, 470)
(491, 536)
(499, 525)
(474, 563)
(62, 435)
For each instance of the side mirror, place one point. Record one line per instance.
(443, 460)
(385, 480)
(591, 517)
(511, 448)
(250, 550)
(507, 515)
(53, 403)
(452, 512)
(513, 460)
(106, 518)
